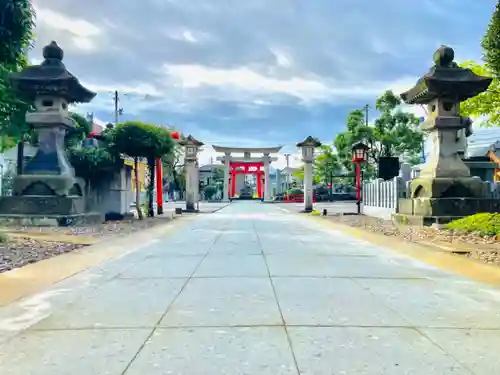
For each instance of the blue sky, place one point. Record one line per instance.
(255, 73)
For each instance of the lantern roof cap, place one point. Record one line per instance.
(446, 80)
(190, 141)
(359, 146)
(309, 141)
(50, 78)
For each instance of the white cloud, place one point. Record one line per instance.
(59, 21)
(195, 76)
(81, 35)
(283, 58)
(244, 79)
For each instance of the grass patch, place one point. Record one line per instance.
(483, 224)
(3, 237)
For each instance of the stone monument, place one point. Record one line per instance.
(192, 146)
(445, 190)
(307, 146)
(47, 187)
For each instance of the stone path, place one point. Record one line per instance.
(253, 290)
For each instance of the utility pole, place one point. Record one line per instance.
(287, 157)
(366, 109)
(118, 110)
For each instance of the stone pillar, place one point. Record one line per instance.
(308, 186)
(308, 146)
(267, 186)
(278, 181)
(227, 159)
(192, 147)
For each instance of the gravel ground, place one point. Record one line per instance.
(487, 248)
(17, 252)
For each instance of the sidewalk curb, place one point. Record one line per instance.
(32, 278)
(437, 256)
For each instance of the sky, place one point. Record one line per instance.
(258, 72)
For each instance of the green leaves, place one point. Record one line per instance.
(491, 43)
(140, 140)
(393, 133)
(487, 103)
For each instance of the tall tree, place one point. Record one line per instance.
(393, 133)
(491, 43)
(16, 27)
(486, 104)
(140, 140)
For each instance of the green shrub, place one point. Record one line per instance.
(295, 191)
(484, 224)
(3, 237)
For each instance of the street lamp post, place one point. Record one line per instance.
(358, 156)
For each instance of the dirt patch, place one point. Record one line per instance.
(25, 245)
(483, 248)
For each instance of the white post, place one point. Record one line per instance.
(308, 185)
(267, 182)
(226, 177)
(190, 186)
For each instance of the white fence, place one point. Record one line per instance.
(380, 198)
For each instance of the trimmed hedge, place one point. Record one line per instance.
(483, 224)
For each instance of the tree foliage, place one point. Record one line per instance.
(17, 23)
(327, 164)
(486, 104)
(393, 134)
(140, 140)
(491, 43)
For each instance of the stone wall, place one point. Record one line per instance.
(112, 196)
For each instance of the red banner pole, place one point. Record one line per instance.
(233, 183)
(358, 181)
(159, 186)
(259, 185)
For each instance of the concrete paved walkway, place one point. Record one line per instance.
(254, 290)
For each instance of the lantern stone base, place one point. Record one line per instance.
(47, 185)
(468, 187)
(428, 211)
(51, 210)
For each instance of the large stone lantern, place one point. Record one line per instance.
(48, 181)
(307, 147)
(191, 148)
(445, 189)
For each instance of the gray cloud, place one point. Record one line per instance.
(341, 44)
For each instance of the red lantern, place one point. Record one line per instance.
(175, 135)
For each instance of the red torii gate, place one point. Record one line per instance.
(244, 168)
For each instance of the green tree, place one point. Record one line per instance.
(393, 134)
(17, 23)
(140, 140)
(491, 43)
(209, 191)
(327, 164)
(487, 103)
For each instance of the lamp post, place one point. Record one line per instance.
(358, 156)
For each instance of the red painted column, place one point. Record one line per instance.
(159, 186)
(259, 185)
(233, 183)
(358, 181)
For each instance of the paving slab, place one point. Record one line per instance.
(224, 302)
(103, 352)
(216, 351)
(369, 351)
(253, 289)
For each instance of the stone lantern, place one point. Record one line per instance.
(48, 186)
(307, 147)
(191, 147)
(445, 190)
